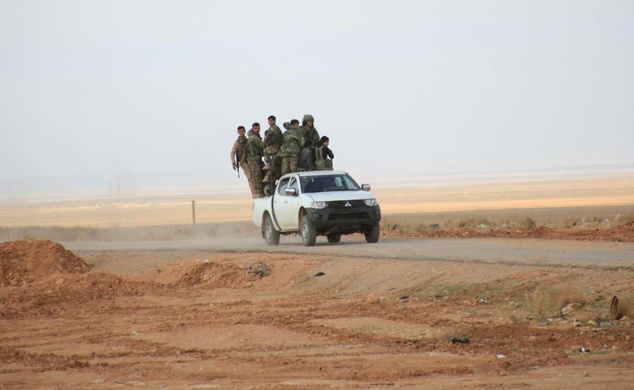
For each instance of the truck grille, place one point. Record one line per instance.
(346, 204)
(348, 217)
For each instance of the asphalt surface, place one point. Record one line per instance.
(504, 251)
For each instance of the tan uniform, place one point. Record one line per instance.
(239, 148)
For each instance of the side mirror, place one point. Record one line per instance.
(366, 187)
(290, 191)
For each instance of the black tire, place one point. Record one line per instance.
(372, 236)
(334, 238)
(271, 235)
(307, 231)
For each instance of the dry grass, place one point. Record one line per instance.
(561, 219)
(449, 290)
(592, 191)
(548, 301)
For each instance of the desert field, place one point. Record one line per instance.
(550, 200)
(257, 317)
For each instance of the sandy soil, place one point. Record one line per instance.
(186, 319)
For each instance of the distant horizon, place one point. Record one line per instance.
(60, 187)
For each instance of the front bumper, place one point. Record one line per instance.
(344, 219)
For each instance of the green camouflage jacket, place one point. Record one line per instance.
(255, 147)
(292, 142)
(309, 132)
(272, 140)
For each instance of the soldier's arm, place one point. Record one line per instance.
(268, 138)
(277, 138)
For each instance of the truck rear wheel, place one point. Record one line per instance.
(307, 231)
(271, 235)
(372, 236)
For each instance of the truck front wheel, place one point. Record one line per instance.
(271, 235)
(372, 235)
(307, 231)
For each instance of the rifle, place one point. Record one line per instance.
(238, 163)
(272, 172)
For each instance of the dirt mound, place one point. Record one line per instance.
(215, 275)
(29, 260)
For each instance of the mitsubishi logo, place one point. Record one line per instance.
(347, 204)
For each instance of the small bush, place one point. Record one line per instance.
(528, 224)
(548, 301)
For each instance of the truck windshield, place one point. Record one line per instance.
(328, 183)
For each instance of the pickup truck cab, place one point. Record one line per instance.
(318, 203)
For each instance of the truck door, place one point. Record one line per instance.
(287, 207)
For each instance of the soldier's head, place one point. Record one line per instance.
(241, 130)
(271, 120)
(294, 123)
(324, 141)
(256, 128)
(308, 120)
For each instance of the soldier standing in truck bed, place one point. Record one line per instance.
(239, 156)
(323, 155)
(255, 150)
(291, 145)
(309, 132)
(306, 158)
(272, 142)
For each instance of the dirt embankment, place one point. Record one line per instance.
(259, 321)
(476, 228)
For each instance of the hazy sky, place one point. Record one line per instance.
(133, 88)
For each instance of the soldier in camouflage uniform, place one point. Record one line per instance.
(309, 131)
(291, 145)
(306, 158)
(255, 150)
(323, 155)
(239, 155)
(272, 141)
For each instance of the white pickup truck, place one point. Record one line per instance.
(318, 203)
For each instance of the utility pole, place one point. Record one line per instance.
(194, 213)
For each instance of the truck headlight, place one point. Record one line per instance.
(318, 205)
(371, 202)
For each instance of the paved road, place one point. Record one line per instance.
(506, 251)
